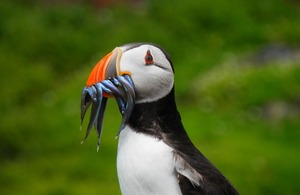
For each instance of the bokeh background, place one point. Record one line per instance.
(237, 86)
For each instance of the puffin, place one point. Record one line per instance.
(155, 155)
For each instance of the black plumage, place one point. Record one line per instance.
(162, 120)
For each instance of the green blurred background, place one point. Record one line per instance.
(237, 86)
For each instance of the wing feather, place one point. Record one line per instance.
(183, 168)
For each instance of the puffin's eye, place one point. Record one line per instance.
(148, 58)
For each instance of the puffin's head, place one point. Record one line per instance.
(132, 73)
(149, 67)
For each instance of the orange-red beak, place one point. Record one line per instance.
(108, 66)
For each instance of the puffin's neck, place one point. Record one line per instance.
(156, 118)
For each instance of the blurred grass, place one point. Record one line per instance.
(242, 114)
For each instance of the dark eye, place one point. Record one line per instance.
(148, 58)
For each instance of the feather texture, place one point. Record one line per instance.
(144, 165)
(162, 121)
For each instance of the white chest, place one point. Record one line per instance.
(145, 165)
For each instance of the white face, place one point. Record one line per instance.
(152, 79)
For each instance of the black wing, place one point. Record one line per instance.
(196, 174)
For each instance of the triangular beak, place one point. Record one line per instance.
(109, 66)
